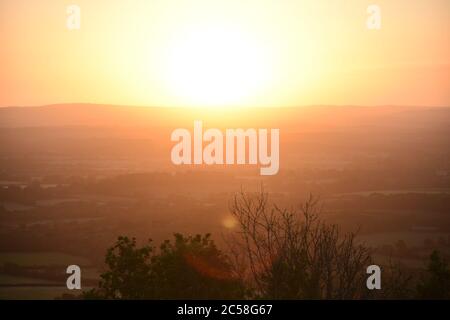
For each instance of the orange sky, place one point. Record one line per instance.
(225, 52)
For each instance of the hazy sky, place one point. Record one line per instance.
(225, 52)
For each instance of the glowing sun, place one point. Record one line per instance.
(216, 67)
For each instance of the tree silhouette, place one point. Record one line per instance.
(189, 268)
(276, 253)
(436, 283)
(293, 254)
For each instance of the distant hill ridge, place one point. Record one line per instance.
(292, 117)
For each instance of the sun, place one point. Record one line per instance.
(216, 66)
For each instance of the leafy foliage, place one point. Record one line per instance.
(436, 283)
(190, 267)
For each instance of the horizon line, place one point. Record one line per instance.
(226, 107)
